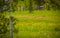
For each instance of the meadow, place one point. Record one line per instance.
(38, 24)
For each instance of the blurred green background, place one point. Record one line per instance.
(30, 18)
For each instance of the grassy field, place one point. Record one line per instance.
(39, 24)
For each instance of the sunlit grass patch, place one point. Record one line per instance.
(39, 24)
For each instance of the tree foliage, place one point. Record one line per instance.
(4, 21)
(55, 3)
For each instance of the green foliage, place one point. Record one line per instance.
(39, 2)
(55, 4)
(3, 24)
(30, 6)
(4, 21)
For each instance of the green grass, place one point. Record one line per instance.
(39, 24)
(39, 13)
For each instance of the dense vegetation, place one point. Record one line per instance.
(35, 18)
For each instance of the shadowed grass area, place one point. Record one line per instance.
(39, 24)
